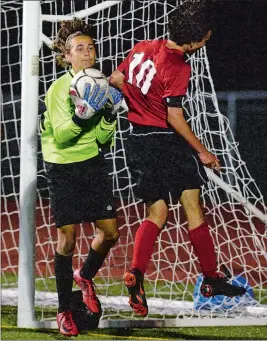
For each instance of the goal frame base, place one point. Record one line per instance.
(167, 323)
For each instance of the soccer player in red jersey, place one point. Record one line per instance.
(164, 155)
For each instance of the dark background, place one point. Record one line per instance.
(238, 49)
(237, 55)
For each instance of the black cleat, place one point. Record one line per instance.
(219, 286)
(134, 280)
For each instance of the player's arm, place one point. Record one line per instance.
(176, 119)
(117, 77)
(175, 79)
(61, 115)
(105, 130)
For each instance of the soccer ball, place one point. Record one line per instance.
(89, 75)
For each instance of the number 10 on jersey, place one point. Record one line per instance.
(141, 77)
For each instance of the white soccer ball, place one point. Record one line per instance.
(89, 75)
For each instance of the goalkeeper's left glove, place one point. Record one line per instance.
(113, 105)
(93, 100)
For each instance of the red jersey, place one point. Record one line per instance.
(153, 72)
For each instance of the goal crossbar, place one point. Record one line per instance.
(79, 14)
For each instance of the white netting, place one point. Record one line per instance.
(240, 237)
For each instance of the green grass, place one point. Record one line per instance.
(162, 288)
(10, 332)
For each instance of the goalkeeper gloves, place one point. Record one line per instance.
(113, 105)
(93, 100)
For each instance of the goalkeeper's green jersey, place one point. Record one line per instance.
(62, 140)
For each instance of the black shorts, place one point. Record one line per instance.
(162, 163)
(81, 191)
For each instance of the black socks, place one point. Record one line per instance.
(64, 275)
(64, 279)
(92, 264)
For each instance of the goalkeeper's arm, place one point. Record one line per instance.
(67, 121)
(60, 114)
(105, 130)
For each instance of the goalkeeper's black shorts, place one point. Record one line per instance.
(162, 164)
(81, 191)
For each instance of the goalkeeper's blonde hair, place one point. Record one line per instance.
(68, 30)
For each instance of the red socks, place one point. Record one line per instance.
(204, 248)
(145, 239)
(200, 237)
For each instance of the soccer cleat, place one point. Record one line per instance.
(66, 324)
(88, 290)
(134, 280)
(219, 286)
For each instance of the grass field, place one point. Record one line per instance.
(116, 288)
(11, 332)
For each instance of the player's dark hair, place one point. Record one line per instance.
(191, 21)
(67, 29)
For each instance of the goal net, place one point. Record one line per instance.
(233, 204)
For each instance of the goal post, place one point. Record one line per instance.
(235, 207)
(28, 161)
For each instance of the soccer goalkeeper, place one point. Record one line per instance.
(72, 136)
(164, 155)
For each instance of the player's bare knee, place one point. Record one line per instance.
(108, 236)
(190, 200)
(66, 240)
(158, 213)
(193, 208)
(69, 247)
(66, 247)
(112, 237)
(107, 230)
(194, 215)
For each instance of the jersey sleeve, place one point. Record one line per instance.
(60, 113)
(122, 66)
(175, 79)
(125, 63)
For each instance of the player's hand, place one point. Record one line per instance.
(209, 160)
(113, 105)
(93, 100)
(115, 97)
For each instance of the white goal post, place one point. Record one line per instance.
(233, 203)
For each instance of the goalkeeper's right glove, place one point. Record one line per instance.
(93, 100)
(116, 97)
(113, 105)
